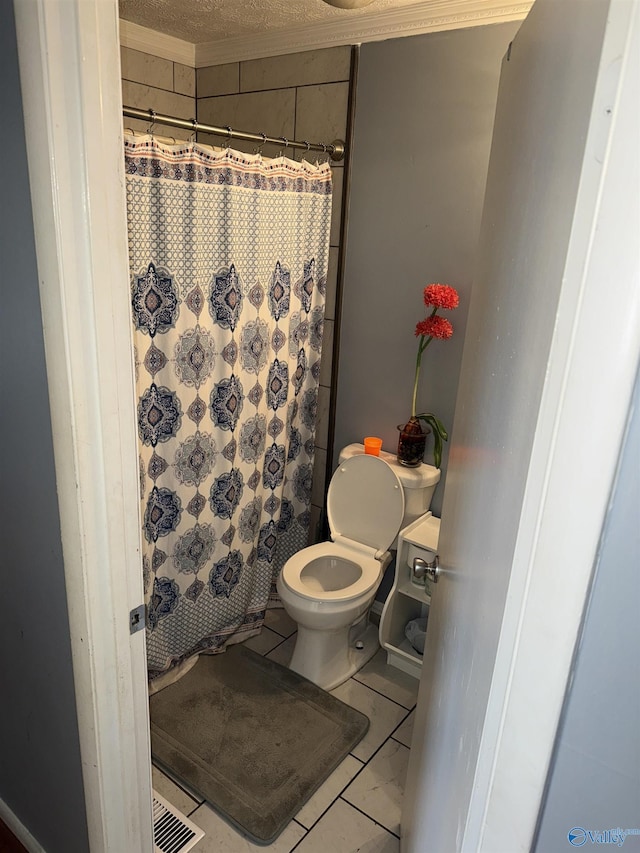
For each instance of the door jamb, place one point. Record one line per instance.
(69, 67)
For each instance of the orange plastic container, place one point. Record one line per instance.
(372, 445)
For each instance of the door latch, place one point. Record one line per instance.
(136, 619)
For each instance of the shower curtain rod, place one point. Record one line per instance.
(335, 149)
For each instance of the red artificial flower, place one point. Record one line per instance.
(435, 327)
(441, 296)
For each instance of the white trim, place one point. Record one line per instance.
(19, 829)
(592, 367)
(69, 68)
(428, 16)
(425, 17)
(159, 44)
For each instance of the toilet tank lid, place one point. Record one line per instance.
(420, 477)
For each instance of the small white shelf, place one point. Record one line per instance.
(405, 657)
(408, 600)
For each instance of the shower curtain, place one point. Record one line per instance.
(228, 254)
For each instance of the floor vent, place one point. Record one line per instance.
(172, 832)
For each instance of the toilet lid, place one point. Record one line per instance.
(365, 502)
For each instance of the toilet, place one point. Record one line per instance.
(328, 588)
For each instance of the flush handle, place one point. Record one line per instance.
(430, 569)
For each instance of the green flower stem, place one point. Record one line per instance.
(424, 343)
(439, 434)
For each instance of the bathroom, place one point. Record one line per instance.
(414, 270)
(308, 95)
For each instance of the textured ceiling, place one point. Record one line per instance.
(199, 21)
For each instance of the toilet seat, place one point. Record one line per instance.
(365, 507)
(364, 560)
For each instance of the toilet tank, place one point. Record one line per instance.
(419, 483)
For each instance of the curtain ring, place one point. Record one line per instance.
(229, 130)
(260, 146)
(286, 145)
(194, 124)
(152, 115)
(308, 144)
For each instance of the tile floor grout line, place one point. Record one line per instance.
(402, 722)
(301, 825)
(361, 770)
(300, 840)
(391, 737)
(382, 745)
(366, 764)
(372, 819)
(278, 633)
(264, 625)
(395, 701)
(338, 795)
(282, 640)
(388, 738)
(277, 645)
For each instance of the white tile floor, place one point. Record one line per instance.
(358, 807)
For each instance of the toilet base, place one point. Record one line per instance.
(328, 658)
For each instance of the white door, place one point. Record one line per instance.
(550, 355)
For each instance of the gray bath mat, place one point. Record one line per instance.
(253, 738)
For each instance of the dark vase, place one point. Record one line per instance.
(412, 442)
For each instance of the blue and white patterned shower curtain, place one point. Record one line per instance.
(228, 255)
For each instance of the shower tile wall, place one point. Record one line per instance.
(150, 82)
(298, 96)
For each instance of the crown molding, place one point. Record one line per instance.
(425, 17)
(150, 41)
(428, 16)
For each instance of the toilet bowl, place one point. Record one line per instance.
(328, 588)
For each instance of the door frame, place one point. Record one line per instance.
(69, 61)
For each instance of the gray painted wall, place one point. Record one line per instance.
(594, 782)
(424, 117)
(40, 771)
